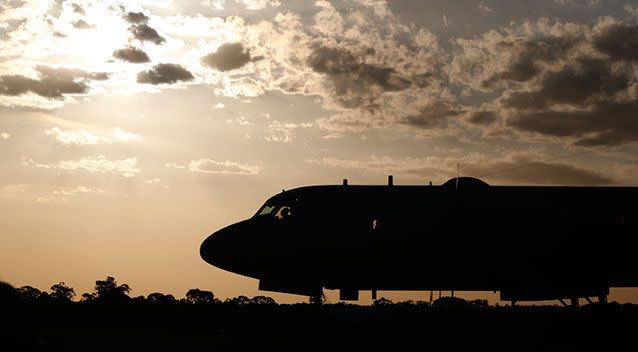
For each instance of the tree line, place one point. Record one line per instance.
(109, 291)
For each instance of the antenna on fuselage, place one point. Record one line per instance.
(390, 180)
(458, 174)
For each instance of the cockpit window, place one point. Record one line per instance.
(283, 212)
(268, 209)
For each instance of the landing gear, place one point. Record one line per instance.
(573, 302)
(602, 299)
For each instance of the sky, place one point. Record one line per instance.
(131, 130)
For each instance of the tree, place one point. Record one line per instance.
(108, 290)
(317, 299)
(158, 297)
(262, 300)
(197, 296)
(382, 302)
(30, 294)
(240, 300)
(88, 297)
(62, 293)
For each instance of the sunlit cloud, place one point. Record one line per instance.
(174, 166)
(283, 132)
(80, 137)
(83, 137)
(64, 194)
(208, 166)
(126, 167)
(5, 136)
(152, 181)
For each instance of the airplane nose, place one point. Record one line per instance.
(225, 248)
(214, 248)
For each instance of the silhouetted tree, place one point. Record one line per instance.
(382, 302)
(482, 303)
(60, 292)
(30, 294)
(158, 297)
(197, 296)
(239, 300)
(262, 300)
(450, 302)
(9, 296)
(88, 297)
(108, 290)
(317, 299)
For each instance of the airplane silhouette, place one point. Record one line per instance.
(531, 243)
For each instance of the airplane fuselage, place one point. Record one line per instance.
(529, 243)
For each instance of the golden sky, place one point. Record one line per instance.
(131, 130)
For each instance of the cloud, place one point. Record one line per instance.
(131, 54)
(82, 137)
(208, 166)
(5, 135)
(144, 33)
(516, 168)
(165, 74)
(283, 132)
(633, 11)
(240, 120)
(52, 83)
(229, 56)
(78, 9)
(259, 4)
(72, 137)
(557, 80)
(153, 181)
(81, 24)
(66, 193)
(215, 4)
(616, 39)
(99, 164)
(220, 106)
(136, 17)
(174, 166)
(482, 6)
(119, 135)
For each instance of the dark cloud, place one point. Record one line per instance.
(573, 84)
(78, 9)
(524, 170)
(528, 57)
(432, 116)
(131, 54)
(606, 123)
(482, 117)
(81, 24)
(229, 56)
(165, 74)
(144, 33)
(52, 83)
(570, 81)
(355, 84)
(136, 17)
(618, 40)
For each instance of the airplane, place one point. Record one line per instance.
(530, 243)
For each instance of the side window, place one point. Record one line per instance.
(267, 210)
